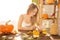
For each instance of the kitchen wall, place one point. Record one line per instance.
(12, 9)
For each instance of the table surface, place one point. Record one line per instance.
(40, 38)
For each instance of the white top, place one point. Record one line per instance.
(24, 24)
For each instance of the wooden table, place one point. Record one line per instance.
(7, 37)
(39, 38)
(56, 37)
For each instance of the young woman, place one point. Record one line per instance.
(27, 21)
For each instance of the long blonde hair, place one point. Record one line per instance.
(32, 7)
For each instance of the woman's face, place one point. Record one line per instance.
(33, 12)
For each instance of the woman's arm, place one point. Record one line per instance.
(20, 22)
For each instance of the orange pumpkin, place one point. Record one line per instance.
(59, 5)
(49, 1)
(2, 28)
(9, 28)
(45, 16)
(6, 28)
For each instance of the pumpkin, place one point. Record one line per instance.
(49, 1)
(7, 28)
(45, 16)
(59, 5)
(2, 28)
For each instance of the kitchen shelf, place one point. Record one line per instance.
(48, 18)
(49, 4)
(55, 9)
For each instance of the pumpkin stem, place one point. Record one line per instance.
(8, 22)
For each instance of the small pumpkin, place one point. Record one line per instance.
(59, 5)
(45, 16)
(49, 1)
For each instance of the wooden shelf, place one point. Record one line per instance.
(48, 18)
(49, 4)
(45, 8)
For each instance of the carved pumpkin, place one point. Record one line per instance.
(45, 16)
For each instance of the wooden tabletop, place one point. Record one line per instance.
(40, 38)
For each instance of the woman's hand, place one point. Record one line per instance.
(34, 27)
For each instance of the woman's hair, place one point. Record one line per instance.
(32, 7)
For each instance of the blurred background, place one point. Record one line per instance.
(12, 9)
